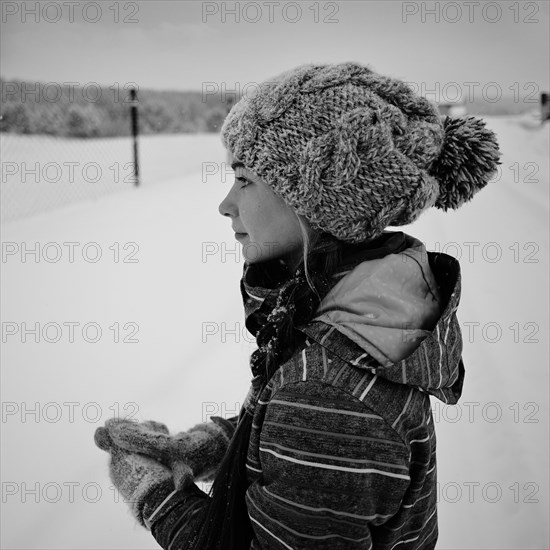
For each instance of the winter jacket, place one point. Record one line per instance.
(342, 453)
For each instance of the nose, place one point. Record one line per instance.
(228, 207)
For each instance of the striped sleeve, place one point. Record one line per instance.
(331, 470)
(176, 521)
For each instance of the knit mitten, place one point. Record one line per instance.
(200, 449)
(142, 481)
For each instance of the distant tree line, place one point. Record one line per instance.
(99, 111)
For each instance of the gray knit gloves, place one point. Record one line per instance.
(147, 463)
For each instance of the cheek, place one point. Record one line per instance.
(283, 227)
(291, 230)
(268, 218)
(252, 215)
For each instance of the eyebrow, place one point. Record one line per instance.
(246, 173)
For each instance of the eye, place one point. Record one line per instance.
(243, 181)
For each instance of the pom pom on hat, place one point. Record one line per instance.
(468, 160)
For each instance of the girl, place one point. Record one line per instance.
(356, 326)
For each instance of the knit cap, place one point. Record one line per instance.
(354, 151)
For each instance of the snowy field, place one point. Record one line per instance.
(158, 333)
(40, 173)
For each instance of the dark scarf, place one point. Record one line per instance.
(270, 294)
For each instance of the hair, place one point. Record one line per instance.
(227, 525)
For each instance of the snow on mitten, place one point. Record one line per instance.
(200, 449)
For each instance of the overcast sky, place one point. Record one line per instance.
(182, 45)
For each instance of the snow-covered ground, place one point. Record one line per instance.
(40, 173)
(173, 347)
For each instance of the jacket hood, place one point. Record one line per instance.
(401, 310)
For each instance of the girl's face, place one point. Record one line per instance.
(263, 223)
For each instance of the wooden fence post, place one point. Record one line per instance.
(135, 131)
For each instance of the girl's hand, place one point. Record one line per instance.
(198, 450)
(142, 481)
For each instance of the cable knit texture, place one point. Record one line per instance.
(354, 151)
